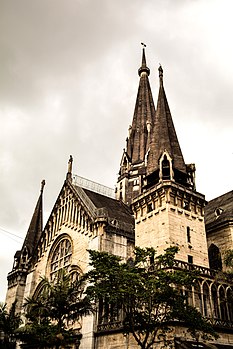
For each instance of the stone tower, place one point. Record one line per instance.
(157, 183)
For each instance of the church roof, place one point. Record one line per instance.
(220, 209)
(115, 209)
(144, 112)
(164, 135)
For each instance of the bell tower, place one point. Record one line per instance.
(157, 183)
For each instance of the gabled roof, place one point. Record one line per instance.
(164, 135)
(143, 118)
(220, 209)
(98, 206)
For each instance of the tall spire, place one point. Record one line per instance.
(133, 163)
(140, 131)
(164, 138)
(36, 225)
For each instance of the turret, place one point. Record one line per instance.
(23, 258)
(165, 159)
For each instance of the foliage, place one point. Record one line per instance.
(9, 322)
(148, 289)
(228, 258)
(50, 315)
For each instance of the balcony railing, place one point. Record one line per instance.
(118, 325)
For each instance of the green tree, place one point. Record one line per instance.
(9, 323)
(228, 260)
(148, 289)
(51, 314)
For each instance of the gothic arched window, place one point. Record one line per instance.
(61, 257)
(230, 304)
(223, 307)
(166, 168)
(214, 297)
(206, 300)
(24, 257)
(197, 297)
(215, 259)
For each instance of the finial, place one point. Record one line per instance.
(143, 67)
(42, 186)
(69, 171)
(160, 73)
(70, 162)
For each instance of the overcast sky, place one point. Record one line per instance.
(68, 84)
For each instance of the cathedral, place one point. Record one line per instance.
(155, 204)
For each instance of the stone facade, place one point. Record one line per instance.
(169, 215)
(156, 205)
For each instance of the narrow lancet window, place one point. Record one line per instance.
(165, 165)
(190, 259)
(188, 235)
(166, 168)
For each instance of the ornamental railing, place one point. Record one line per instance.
(118, 325)
(93, 186)
(110, 326)
(211, 294)
(203, 271)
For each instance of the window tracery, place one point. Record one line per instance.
(61, 257)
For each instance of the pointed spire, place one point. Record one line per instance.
(139, 135)
(134, 159)
(69, 171)
(164, 136)
(36, 225)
